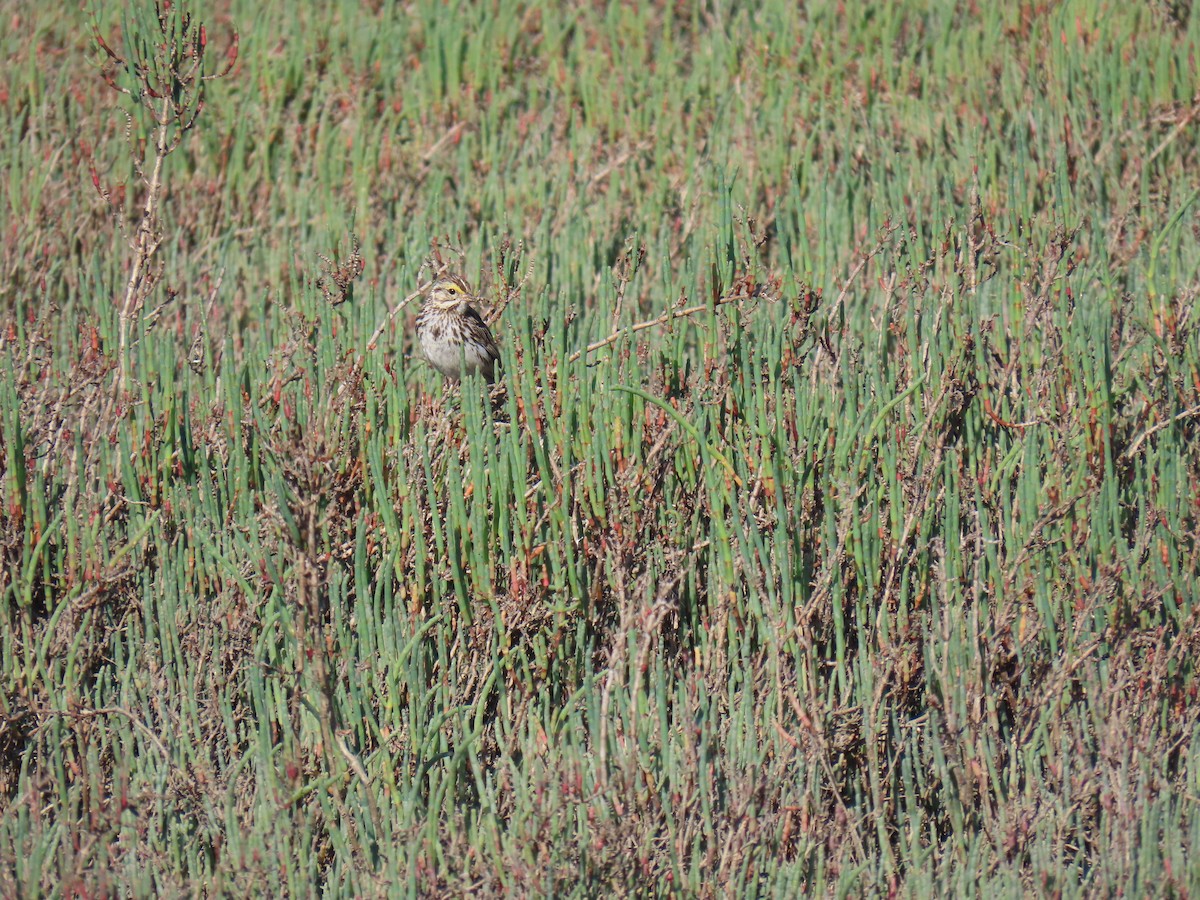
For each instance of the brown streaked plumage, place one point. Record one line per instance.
(453, 336)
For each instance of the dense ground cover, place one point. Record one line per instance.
(870, 566)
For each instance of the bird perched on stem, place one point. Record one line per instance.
(453, 336)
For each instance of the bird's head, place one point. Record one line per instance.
(449, 292)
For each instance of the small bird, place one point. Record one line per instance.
(453, 336)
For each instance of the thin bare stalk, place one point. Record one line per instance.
(145, 244)
(650, 323)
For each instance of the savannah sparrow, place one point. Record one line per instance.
(454, 338)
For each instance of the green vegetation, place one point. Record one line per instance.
(874, 570)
